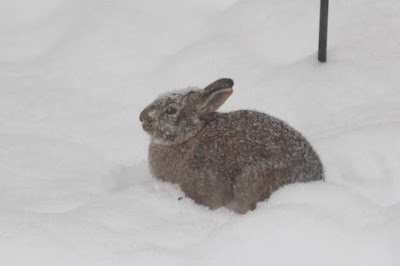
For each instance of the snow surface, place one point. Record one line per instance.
(75, 75)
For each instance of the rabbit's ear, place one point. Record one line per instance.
(212, 100)
(219, 84)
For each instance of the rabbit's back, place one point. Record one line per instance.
(238, 139)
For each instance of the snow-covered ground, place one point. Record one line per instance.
(74, 184)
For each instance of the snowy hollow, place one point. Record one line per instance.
(74, 184)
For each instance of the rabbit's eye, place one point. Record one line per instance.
(171, 111)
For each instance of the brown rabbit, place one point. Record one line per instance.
(231, 160)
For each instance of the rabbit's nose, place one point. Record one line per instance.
(141, 117)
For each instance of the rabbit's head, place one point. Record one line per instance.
(177, 116)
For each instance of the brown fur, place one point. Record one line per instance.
(231, 160)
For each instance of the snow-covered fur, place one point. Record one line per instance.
(231, 160)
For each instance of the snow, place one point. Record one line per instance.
(74, 183)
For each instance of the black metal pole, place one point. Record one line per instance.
(323, 30)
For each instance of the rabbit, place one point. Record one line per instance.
(232, 160)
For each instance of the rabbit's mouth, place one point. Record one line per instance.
(147, 127)
(147, 123)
